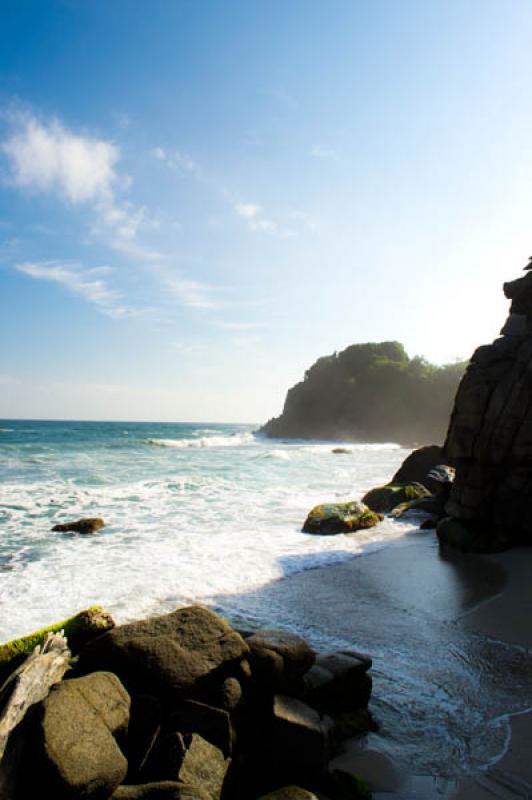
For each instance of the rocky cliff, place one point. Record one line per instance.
(490, 433)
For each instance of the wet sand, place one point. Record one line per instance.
(450, 637)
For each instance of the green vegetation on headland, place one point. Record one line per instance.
(370, 392)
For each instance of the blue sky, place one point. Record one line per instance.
(199, 198)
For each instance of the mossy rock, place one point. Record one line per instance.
(470, 537)
(78, 630)
(330, 518)
(385, 498)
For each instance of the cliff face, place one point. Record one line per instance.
(369, 392)
(490, 433)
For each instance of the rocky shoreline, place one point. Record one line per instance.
(184, 706)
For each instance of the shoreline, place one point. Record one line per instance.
(452, 649)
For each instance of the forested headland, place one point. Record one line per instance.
(370, 392)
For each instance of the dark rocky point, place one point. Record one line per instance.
(490, 438)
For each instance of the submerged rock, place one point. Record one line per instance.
(385, 498)
(330, 518)
(85, 525)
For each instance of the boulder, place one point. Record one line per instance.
(203, 765)
(161, 790)
(178, 654)
(417, 465)
(352, 723)
(375, 769)
(144, 728)
(384, 498)
(229, 694)
(188, 759)
(290, 793)
(470, 537)
(330, 518)
(300, 740)
(433, 505)
(212, 724)
(338, 682)
(279, 658)
(85, 525)
(341, 451)
(68, 744)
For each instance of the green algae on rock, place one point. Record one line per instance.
(385, 498)
(78, 630)
(330, 518)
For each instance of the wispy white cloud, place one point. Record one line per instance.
(121, 224)
(45, 156)
(246, 341)
(188, 348)
(88, 283)
(264, 225)
(248, 210)
(193, 294)
(48, 157)
(255, 219)
(241, 326)
(175, 159)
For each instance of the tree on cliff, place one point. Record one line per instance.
(370, 392)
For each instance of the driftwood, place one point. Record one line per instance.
(31, 682)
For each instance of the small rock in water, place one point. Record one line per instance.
(85, 525)
(341, 450)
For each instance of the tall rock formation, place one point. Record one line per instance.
(490, 435)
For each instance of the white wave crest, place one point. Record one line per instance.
(235, 440)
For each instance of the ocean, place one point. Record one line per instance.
(193, 513)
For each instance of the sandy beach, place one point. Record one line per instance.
(450, 636)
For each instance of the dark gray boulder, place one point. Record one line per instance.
(417, 465)
(339, 682)
(300, 740)
(178, 654)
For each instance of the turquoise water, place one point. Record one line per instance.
(192, 512)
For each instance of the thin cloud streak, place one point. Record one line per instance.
(192, 294)
(86, 283)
